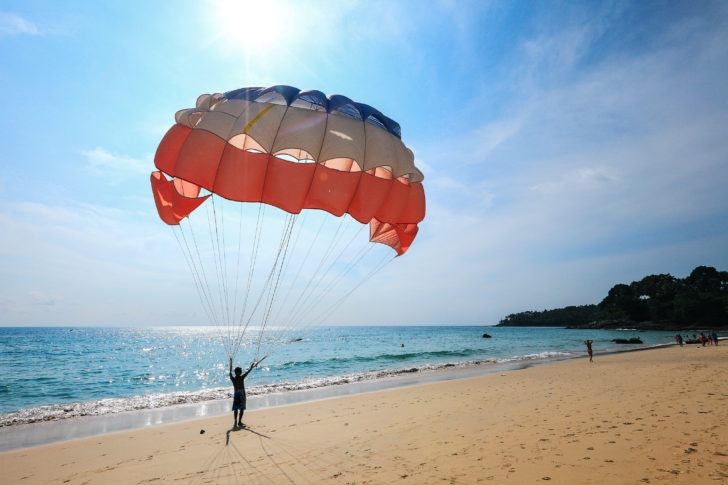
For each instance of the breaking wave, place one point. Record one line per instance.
(158, 400)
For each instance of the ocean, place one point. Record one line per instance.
(55, 373)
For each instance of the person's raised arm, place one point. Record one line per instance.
(253, 366)
(231, 367)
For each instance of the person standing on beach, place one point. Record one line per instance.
(589, 349)
(239, 390)
(679, 339)
(715, 337)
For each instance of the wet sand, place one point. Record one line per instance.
(656, 416)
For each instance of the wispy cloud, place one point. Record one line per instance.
(590, 173)
(491, 135)
(41, 298)
(82, 260)
(565, 149)
(102, 161)
(12, 24)
(583, 178)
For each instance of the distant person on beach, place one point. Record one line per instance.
(239, 386)
(702, 338)
(679, 340)
(715, 337)
(589, 349)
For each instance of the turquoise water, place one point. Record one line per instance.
(55, 373)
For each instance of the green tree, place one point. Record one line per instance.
(623, 302)
(658, 292)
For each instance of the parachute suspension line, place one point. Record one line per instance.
(222, 261)
(251, 271)
(352, 265)
(302, 307)
(195, 275)
(281, 269)
(237, 323)
(282, 250)
(298, 312)
(303, 262)
(218, 271)
(267, 285)
(254, 257)
(312, 284)
(204, 284)
(341, 300)
(324, 314)
(217, 319)
(292, 283)
(237, 266)
(285, 329)
(265, 290)
(200, 273)
(318, 268)
(354, 262)
(301, 225)
(337, 278)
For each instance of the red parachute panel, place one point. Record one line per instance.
(171, 205)
(286, 184)
(199, 158)
(369, 197)
(332, 190)
(241, 175)
(392, 207)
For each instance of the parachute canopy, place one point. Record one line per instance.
(294, 150)
(236, 172)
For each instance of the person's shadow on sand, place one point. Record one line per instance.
(266, 460)
(235, 429)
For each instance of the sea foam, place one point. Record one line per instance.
(158, 400)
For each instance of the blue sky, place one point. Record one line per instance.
(566, 146)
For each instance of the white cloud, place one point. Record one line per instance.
(11, 24)
(41, 298)
(491, 135)
(102, 161)
(578, 179)
(597, 166)
(602, 170)
(91, 264)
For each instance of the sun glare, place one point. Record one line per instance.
(253, 27)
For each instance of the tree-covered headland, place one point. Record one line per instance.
(656, 302)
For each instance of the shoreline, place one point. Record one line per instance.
(660, 415)
(29, 435)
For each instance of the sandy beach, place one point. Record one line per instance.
(655, 416)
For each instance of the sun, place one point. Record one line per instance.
(254, 28)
